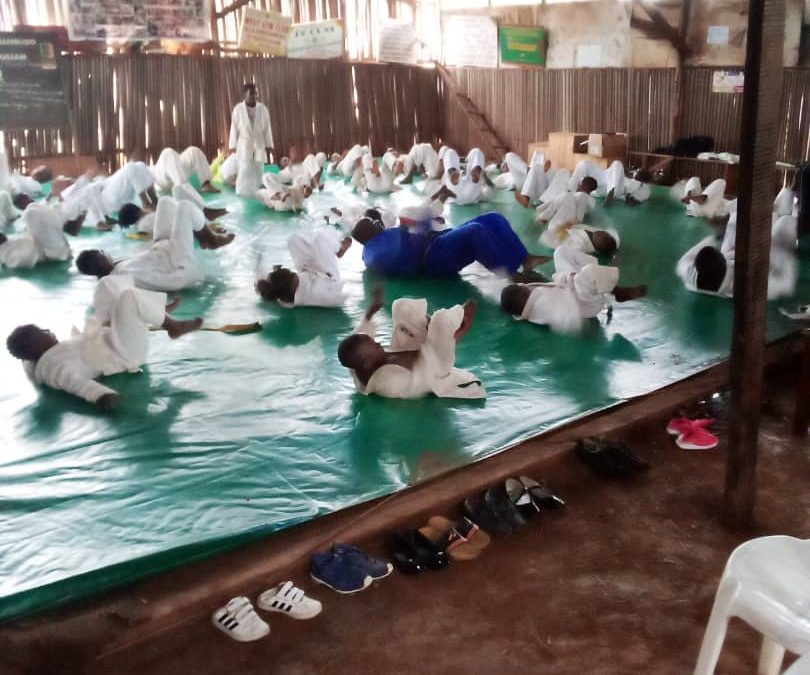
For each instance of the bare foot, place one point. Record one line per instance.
(173, 305)
(344, 246)
(609, 197)
(207, 187)
(533, 261)
(176, 328)
(625, 293)
(336, 211)
(212, 213)
(701, 199)
(523, 200)
(104, 226)
(210, 240)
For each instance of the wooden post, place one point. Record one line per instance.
(759, 129)
(801, 416)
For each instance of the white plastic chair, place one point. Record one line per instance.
(766, 583)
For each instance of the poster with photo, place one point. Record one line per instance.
(139, 20)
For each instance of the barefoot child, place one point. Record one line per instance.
(430, 369)
(73, 365)
(316, 281)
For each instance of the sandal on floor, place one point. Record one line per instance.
(239, 621)
(289, 600)
(462, 541)
(542, 495)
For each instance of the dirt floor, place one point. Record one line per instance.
(621, 582)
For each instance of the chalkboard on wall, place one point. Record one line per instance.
(31, 91)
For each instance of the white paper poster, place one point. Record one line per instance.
(470, 41)
(398, 42)
(316, 40)
(589, 56)
(728, 81)
(139, 20)
(263, 32)
(717, 35)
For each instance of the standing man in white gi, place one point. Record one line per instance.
(251, 139)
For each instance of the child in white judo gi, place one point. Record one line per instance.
(709, 203)
(302, 172)
(535, 182)
(422, 159)
(429, 369)
(42, 239)
(377, 178)
(578, 292)
(611, 183)
(16, 183)
(174, 168)
(123, 346)
(169, 264)
(316, 280)
(708, 267)
(279, 197)
(251, 139)
(101, 197)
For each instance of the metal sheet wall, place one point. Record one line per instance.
(127, 103)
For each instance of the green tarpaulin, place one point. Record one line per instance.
(224, 439)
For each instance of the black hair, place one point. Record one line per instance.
(249, 86)
(21, 200)
(590, 181)
(366, 229)
(3, 239)
(129, 214)
(603, 242)
(279, 285)
(711, 269)
(348, 348)
(374, 214)
(19, 343)
(513, 299)
(89, 262)
(42, 174)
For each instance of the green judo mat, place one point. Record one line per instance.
(225, 439)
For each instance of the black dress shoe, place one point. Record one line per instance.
(413, 552)
(612, 459)
(476, 510)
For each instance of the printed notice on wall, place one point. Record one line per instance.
(263, 32)
(470, 41)
(398, 42)
(728, 81)
(139, 20)
(717, 35)
(316, 40)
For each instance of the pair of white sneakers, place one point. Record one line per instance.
(239, 620)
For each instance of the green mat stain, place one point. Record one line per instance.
(224, 439)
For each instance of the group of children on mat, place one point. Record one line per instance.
(131, 294)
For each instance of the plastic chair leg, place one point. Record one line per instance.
(713, 640)
(770, 657)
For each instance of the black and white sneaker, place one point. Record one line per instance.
(289, 600)
(239, 620)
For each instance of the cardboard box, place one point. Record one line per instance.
(607, 145)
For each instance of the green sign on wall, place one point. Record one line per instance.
(522, 44)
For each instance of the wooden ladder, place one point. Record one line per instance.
(482, 132)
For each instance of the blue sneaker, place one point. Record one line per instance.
(376, 569)
(338, 573)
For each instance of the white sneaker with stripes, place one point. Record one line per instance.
(289, 600)
(239, 620)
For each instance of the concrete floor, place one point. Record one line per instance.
(622, 582)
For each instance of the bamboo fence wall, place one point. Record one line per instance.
(122, 104)
(525, 105)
